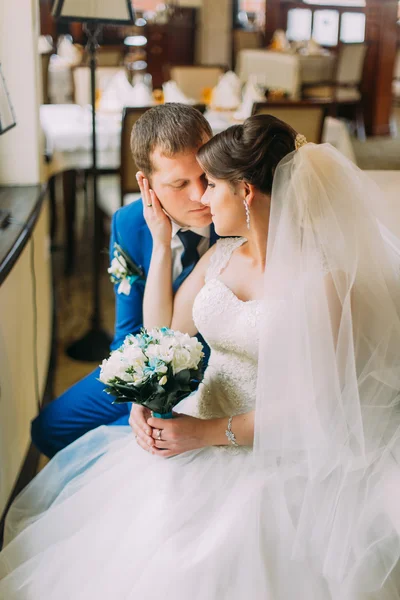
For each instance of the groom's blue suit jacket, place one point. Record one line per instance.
(85, 405)
(130, 231)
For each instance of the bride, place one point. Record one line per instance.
(279, 477)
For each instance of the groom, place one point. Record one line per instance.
(164, 143)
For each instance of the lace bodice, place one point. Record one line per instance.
(229, 325)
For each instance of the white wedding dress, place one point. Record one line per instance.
(106, 520)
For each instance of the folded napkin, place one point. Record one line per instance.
(314, 48)
(45, 45)
(227, 93)
(139, 95)
(119, 93)
(279, 42)
(68, 51)
(251, 94)
(173, 93)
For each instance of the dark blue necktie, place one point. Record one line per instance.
(190, 255)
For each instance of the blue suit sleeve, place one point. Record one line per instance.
(128, 309)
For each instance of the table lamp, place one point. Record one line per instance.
(95, 344)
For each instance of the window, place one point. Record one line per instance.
(326, 27)
(144, 5)
(352, 28)
(337, 2)
(299, 24)
(249, 13)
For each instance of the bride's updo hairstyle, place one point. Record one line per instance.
(249, 152)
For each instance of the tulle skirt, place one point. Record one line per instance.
(107, 520)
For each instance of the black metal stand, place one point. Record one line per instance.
(95, 344)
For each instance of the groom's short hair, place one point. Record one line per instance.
(171, 128)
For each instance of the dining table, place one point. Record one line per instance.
(285, 70)
(67, 130)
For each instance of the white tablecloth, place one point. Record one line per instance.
(334, 132)
(68, 131)
(283, 70)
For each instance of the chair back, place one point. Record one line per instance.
(246, 40)
(271, 69)
(396, 74)
(306, 117)
(107, 56)
(128, 169)
(194, 79)
(350, 64)
(45, 59)
(81, 82)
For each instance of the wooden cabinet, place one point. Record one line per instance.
(171, 44)
(25, 325)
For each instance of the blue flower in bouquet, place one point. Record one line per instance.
(156, 368)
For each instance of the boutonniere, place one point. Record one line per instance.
(124, 271)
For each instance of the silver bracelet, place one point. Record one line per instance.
(229, 433)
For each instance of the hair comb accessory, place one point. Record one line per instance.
(300, 141)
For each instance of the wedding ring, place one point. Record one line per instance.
(149, 204)
(159, 434)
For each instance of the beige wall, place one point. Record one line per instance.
(20, 148)
(214, 31)
(19, 345)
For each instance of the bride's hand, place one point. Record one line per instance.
(180, 434)
(158, 222)
(138, 422)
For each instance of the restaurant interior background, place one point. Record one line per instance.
(331, 68)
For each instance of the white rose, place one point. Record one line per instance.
(134, 356)
(181, 360)
(130, 340)
(118, 267)
(124, 287)
(160, 352)
(115, 366)
(196, 352)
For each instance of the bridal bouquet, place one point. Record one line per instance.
(155, 368)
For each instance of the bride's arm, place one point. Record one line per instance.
(160, 307)
(185, 433)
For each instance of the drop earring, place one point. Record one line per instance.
(247, 209)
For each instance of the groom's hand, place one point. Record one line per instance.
(142, 430)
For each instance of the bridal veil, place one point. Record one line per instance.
(328, 393)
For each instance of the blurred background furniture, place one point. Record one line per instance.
(81, 82)
(243, 39)
(283, 70)
(193, 80)
(26, 308)
(107, 56)
(45, 60)
(270, 69)
(305, 117)
(122, 188)
(344, 88)
(396, 79)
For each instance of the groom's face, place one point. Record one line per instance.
(179, 184)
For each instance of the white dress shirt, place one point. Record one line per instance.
(177, 246)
